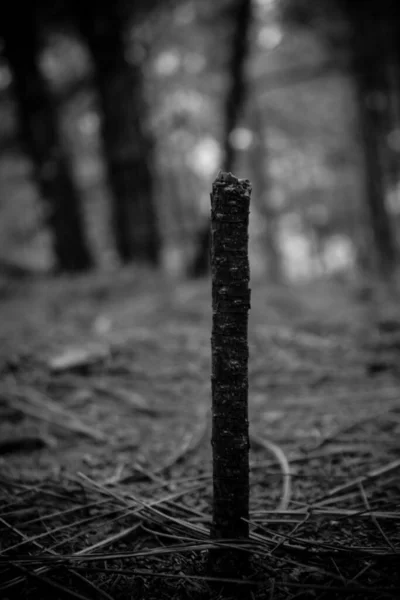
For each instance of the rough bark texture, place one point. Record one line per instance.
(230, 429)
(38, 121)
(128, 145)
(235, 101)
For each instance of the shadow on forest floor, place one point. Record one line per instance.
(105, 455)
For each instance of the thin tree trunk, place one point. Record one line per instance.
(261, 184)
(128, 146)
(230, 201)
(236, 98)
(235, 101)
(41, 138)
(370, 84)
(393, 76)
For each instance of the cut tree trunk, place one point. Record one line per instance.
(230, 428)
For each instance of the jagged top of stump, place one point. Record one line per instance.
(227, 178)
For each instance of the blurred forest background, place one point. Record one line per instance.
(115, 118)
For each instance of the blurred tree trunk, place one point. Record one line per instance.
(42, 141)
(235, 101)
(391, 32)
(128, 145)
(392, 40)
(258, 156)
(368, 62)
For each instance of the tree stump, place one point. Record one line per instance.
(230, 200)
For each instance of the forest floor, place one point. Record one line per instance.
(105, 456)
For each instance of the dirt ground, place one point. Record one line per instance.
(105, 456)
